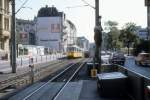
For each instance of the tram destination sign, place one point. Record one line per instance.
(147, 2)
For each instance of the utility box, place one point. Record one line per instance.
(111, 84)
(94, 73)
(90, 66)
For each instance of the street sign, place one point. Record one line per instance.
(147, 2)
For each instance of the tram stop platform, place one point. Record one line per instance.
(81, 90)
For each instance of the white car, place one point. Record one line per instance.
(105, 57)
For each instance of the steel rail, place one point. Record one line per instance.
(8, 82)
(64, 86)
(36, 90)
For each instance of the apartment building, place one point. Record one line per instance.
(5, 27)
(25, 32)
(83, 43)
(53, 31)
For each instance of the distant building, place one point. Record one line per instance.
(53, 30)
(49, 28)
(25, 32)
(70, 34)
(92, 49)
(142, 33)
(30, 50)
(83, 43)
(5, 27)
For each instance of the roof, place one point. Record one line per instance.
(49, 12)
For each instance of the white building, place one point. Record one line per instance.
(70, 34)
(5, 28)
(83, 43)
(30, 50)
(92, 49)
(53, 30)
(49, 28)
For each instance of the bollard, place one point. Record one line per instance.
(41, 58)
(50, 57)
(46, 58)
(36, 59)
(53, 57)
(21, 61)
(31, 66)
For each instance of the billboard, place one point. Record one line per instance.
(23, 37)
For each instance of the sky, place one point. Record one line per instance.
(121, 11)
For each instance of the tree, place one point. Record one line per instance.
(128, 35)
(112, 35)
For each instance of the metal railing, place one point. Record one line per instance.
(137, 83)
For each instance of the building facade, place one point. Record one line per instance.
(70, 34)
(83, 43)
(25, 32)
(53, 30)
(5, 27)
(142, 34)
(92, 50)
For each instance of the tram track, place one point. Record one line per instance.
(23, 80)
(64, 77)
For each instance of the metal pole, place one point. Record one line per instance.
(97, 58)
(13, 39)
(96, 12)
(148, 22)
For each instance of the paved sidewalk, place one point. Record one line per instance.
(24, 61)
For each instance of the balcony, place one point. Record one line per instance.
(6, 33)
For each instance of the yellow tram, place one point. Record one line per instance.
(74, 52)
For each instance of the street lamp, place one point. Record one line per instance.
(13, 39)
(97, 35)
(97, 32)
(147, 3)
(13, 36)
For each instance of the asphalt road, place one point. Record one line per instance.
(143, 70)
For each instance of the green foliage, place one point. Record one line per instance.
(128, 34)
(111, 25)
(117, 39)
(112, 36)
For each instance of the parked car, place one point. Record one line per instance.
(143, 59)
(117, 58)
(105, 57)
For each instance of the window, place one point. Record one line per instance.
(1, 22)
(0, 3)
(6, 6)
(6, 22)
(2, 45)
(55, 28)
